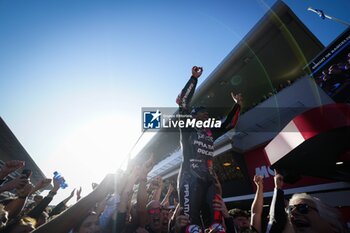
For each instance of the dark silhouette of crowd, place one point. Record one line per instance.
(128, 202)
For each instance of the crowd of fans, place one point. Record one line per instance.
(335, 78)
(127, 202)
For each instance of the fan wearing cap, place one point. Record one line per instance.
(195, 180)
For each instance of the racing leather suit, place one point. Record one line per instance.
(195, 180)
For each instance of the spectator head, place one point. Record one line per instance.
(241, 218)
(154, 216)
(165, 216)
(309, 214)
(89, 224)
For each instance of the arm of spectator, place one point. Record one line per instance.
(107, 219)
(166, 200)
(181, 221)
(217, 184)
(61, 206)
(64, 222)
(142, 192)
(79, 193)
(65, 201)
(17, 183)
(41, 184)
(257, 205)
(128, 190)
(158, 186)
(232, 117)
(219, 204)
(10, 166)
(15, 207)
(38, 209)
(277, 215)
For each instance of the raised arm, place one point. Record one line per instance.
(10, 166)
(67, 220)
(157, 185)
(185, 97)
(17, 183)
(277, 215)
(40, 185)
(61, 206)
(36, 212)
(257, 205)
(166, 200)
(142, 192)
(232, 117)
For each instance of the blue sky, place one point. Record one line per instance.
(75, 74)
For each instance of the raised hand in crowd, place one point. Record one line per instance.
(166, 202)
(142, 192)
(237, 98)
(78, 193)
(41, 184)
(259, 182)
(258, 203)
(94, 185)
(219, 205)
(156, 187)
(147, 167)
(178, 220)
(71, 194)
(10, 166)
(17, 183)
(217, 184)
(277, 214)
(278, 180)
(56, 185)
(66, 221)
(39, 209)
(127, 190)
(62, 205)
(65, 201)
(25, 191)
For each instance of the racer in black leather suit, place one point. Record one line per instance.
(195, 180)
